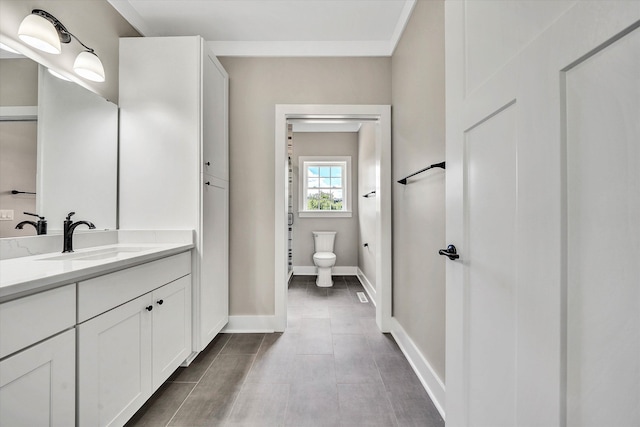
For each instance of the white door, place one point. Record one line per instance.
(37, 385)
(114, 364)
(543, 205)
(214, 266)
(215, 118)
(171, 328)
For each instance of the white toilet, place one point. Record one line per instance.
(323, 257)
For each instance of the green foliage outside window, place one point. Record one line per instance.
(323, 201)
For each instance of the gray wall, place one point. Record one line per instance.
(346, 244)
(18, 141)
(18, 172)
(419, 207)
(367, 206)
(256, 86)
(18, 82)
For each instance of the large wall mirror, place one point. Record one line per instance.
(59, 141)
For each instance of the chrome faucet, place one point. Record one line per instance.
(40, 226)
(69, 228)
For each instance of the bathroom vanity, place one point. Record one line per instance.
(101, 328)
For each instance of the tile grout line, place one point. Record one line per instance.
(197, 382)
(384, 386)
(244, 380)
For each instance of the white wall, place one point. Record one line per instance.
(346, 243)
(367, 206)
(419, 207)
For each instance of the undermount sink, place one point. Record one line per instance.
(96, 254)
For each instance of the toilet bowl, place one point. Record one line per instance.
(324, 258)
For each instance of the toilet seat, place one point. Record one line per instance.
(324, 256)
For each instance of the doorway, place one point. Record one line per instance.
(381, 115)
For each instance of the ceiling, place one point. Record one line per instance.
(276, 27)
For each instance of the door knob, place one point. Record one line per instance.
(450, 252)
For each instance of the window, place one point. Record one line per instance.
(325, 186)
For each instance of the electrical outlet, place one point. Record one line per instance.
(6, 214)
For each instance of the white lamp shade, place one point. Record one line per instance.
(89, 66)
(40, 33)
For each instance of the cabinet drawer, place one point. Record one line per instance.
(25, 321)
(98, 295)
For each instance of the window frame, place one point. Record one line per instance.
(304, 163)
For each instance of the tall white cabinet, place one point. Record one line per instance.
(174, 171)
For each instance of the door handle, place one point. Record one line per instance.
(450, 252)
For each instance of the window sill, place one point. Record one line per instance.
(325, 214)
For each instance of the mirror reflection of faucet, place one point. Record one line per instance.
(69, 228)
(40, 226)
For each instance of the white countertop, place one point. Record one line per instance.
(31, 274)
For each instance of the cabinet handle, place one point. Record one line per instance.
(149, 308)
(208, 163)
(160, 302)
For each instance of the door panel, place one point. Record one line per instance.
(171, 328)
(496, 30)
(543, 206)
(114, 373)
(215, 150)
(490, 166)
(603, 207)
(37, 385)
(214, 280)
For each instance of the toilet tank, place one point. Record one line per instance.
(323, 240)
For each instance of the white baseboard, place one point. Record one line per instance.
(428, 377)
(250, 324)
(366, 284)
(338, 270)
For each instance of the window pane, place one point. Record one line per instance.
(325, 171)
(325, 182)
(336, 182)
(313, 171)
(336, 172)
(336, 204)
(312, 199)
(313, 183)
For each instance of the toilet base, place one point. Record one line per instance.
(324, 278)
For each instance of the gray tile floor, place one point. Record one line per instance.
(332, 367)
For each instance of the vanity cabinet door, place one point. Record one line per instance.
(37, 385)
(171, 328)
(114, 363)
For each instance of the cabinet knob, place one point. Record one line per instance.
(208, 163)
(160, 302)
(149, 308)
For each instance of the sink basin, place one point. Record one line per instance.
(96, 254)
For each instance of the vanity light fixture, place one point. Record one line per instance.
(45, 32)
